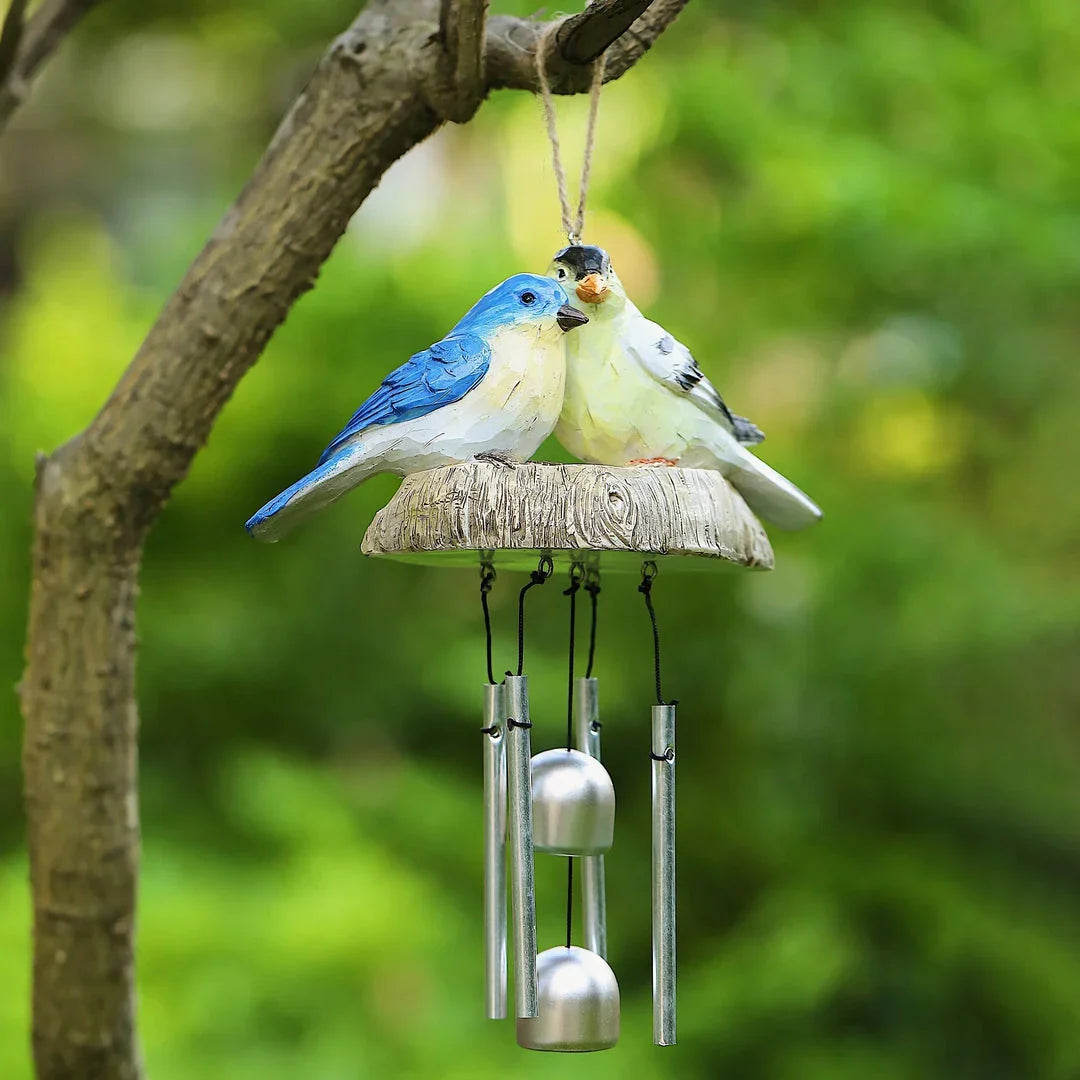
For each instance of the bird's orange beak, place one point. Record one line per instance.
(593, 289)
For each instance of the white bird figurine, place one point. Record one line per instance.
(491, 389)
(636, 396)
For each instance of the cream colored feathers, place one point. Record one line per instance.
(635, 395)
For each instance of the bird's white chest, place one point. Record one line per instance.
(526, 380)
(614, 410)
(510, 412)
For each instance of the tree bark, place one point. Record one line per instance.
(80, 767)
(382, 86)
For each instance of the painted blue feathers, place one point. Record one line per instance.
(515, 331)
(450, 368)
(437, 376)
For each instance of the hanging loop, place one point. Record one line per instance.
(577, 578)
(592, 587)
(544, 569)
(487, 579)
(574, 227)
(648, 575)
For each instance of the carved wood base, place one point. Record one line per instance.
(587, 513)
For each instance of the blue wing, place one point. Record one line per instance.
(438, 376)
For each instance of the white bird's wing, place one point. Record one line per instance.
(672, 364)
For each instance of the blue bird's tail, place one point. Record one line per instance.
(321, 486)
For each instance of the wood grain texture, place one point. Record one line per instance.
(453, 513)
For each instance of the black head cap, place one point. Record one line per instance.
(583, 260)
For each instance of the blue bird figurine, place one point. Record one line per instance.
(491, 389)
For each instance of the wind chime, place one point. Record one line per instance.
(562, 802)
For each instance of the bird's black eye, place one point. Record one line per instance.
(528, 298)
(562, 273)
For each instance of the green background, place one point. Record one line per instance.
(862, 217)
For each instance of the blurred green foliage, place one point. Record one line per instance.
(862, 217)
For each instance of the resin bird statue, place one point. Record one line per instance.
(490, 390)
(636, 396)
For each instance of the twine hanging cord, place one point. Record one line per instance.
(573, 225)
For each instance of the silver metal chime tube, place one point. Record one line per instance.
(522, 888)
(573, 815)
(663, 873)
(593, 894)
(494, 852)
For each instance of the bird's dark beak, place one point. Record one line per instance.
(568, 317)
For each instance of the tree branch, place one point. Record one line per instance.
(461, 31)
(10, 36)
(41, 36)
(378, 91)
(512, 44)
(583, 37)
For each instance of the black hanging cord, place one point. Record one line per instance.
(648, 574)
(577, 576)
(592, 587)
(487, 579)
(544, 569)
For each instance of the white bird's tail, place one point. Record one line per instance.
(325, 483)
(769, 494)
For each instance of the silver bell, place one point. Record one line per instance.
(579, 1003)
(573, 804)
